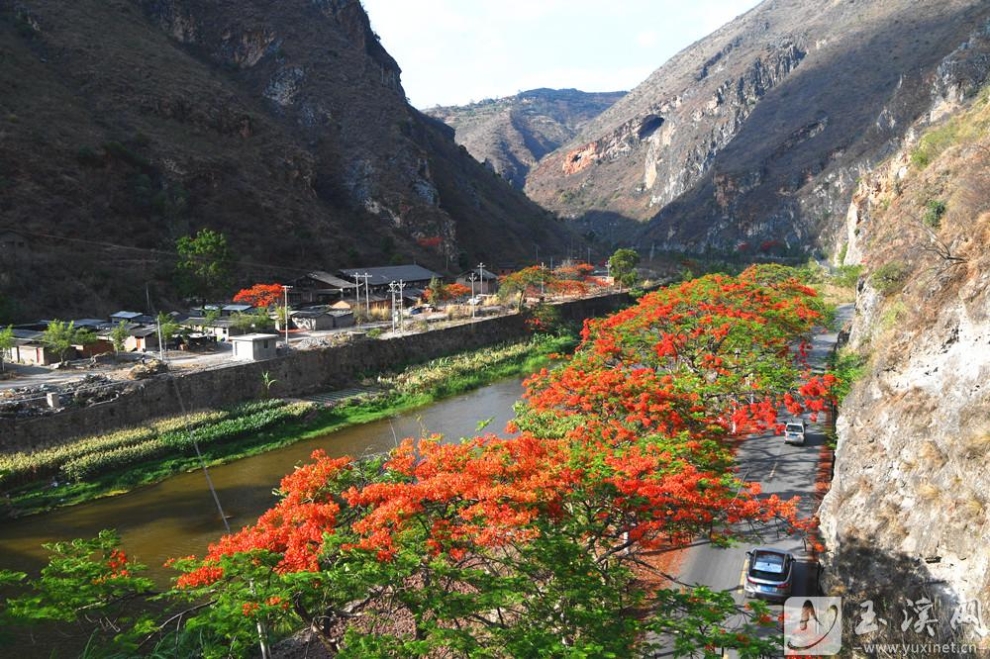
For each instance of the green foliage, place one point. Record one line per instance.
(256, 320)
(212, 316)
(118, 336)
(890, 277)
(6, 343)
(435, 291)
(120, 152)
(205, 264)
(692, 618)
(622, 266)
(88, 157)
(444, 372)
(61, 336)
(90, 583)
(848, 367)
(934, 210)
(847, 276)
(102, 454)
(168, 326)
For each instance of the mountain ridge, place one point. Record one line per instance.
(511, 134)
(756, 133)
(130, 123)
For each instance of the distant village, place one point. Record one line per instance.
(316, 302)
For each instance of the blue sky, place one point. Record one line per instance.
(453, 52)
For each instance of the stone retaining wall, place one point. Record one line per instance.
(300, 373)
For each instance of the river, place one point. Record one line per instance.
(179, 517)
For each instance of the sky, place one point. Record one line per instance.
(454, 52)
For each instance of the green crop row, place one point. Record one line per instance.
(233, 427)
(74, 460)
(426, 376)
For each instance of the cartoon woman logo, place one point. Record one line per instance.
(808, 628)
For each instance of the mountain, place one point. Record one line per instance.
(511, 134)
(753, 138)
(906, 517)
(126, 124)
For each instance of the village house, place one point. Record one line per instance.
(254, 347)
(378, 279)
(319, 287)
(480, 281)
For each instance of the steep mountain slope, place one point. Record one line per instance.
(511, 134)
(125, 124)
(907, 515)
(755, 135)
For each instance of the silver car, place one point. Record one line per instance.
(769, 574)
(794, 431)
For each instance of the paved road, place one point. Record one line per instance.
(781, 469)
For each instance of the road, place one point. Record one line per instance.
(781, 469)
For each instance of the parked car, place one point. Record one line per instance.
(794, 431)
(769, 574)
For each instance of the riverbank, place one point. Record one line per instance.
(389, 394)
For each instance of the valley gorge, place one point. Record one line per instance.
(855, 133)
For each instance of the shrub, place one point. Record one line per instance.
(88, 157)
(934, 210)
(847, 276)
(890, 277)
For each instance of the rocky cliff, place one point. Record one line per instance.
(753, 138)
(125, 124)
(512, 134)
(906, 521)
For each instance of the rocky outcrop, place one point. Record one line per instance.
(510, 135)
(907, 515)
(757, 134)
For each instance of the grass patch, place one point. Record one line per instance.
(848, 367)
(847, 276)
(890, 277)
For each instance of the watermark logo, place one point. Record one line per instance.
(812, 625)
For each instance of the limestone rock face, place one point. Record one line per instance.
(511, 134)
(753, 138)
(907, 515)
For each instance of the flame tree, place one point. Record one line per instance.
(537, 545)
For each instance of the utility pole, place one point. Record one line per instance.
(285, 319)
(481, 279)
(357, 290)
(367, 293)
(474, 301)
(396, 288)
(161, 342)
(391, 289)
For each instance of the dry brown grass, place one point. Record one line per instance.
(931, 454)
(928, 492)
(976, 446)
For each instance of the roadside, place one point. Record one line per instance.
(786, 471)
